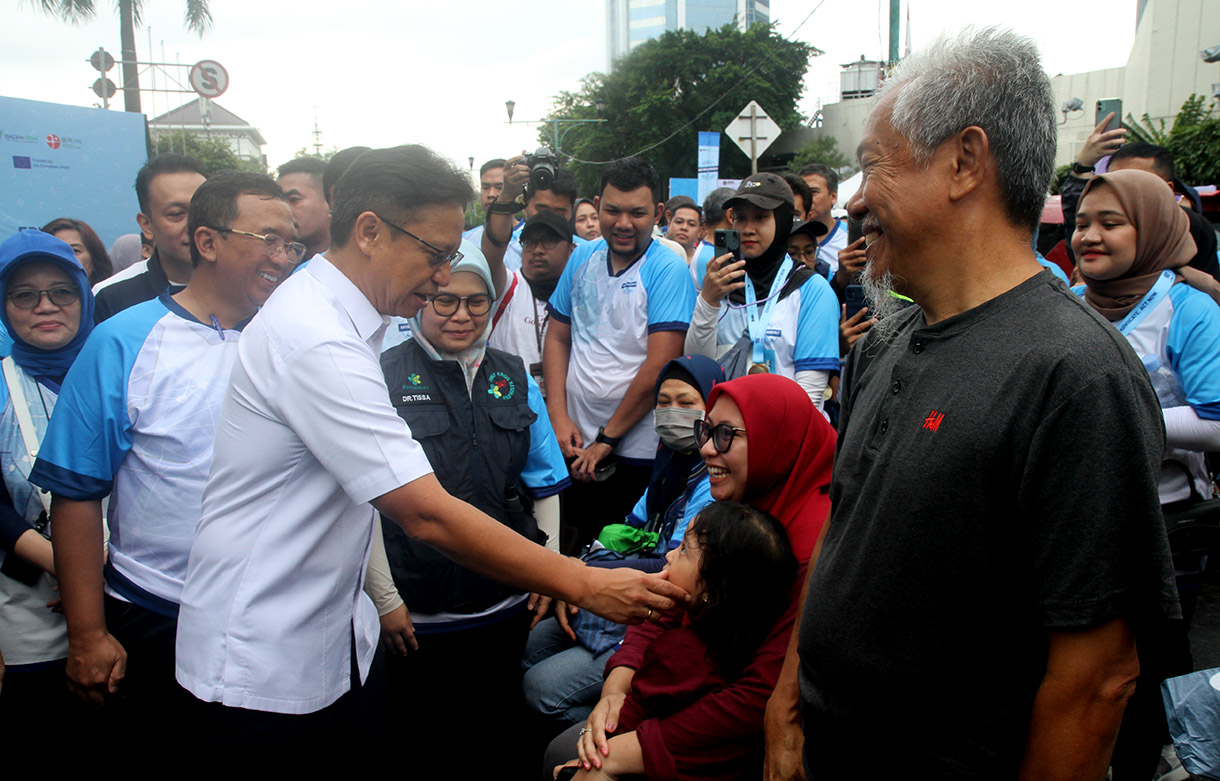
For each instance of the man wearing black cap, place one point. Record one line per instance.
(519, 324)
(779, 316)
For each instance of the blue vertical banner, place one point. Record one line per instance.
(709, 163)
(69, 161)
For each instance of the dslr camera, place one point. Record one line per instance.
(542, 164)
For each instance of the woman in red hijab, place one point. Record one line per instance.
(766, 445)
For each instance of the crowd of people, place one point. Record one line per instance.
(669, 489)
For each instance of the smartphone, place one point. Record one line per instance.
(1104, 107)
(854, 300)
(855, 229)
(728, 241)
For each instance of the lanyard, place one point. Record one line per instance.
(1147, 303)
(758, 324)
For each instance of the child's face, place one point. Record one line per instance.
(684, 564)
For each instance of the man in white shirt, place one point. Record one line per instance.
(521, 318)
(275, 634)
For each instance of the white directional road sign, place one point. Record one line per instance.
(753, 131)
(209, 78)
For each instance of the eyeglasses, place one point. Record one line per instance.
(720, 434)
(294, 250)
(446, 304)
(30, 299)
(797, 253)
(439, 259)
(548, 243)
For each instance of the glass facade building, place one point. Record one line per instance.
(631, 22)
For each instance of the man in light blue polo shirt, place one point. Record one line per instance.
(619, 313)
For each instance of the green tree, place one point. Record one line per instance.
(682, 77)
(215, 153)
(824, 150)
(323, 155)
(1194, 139)
(198, 18)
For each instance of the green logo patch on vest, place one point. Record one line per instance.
(501, 386)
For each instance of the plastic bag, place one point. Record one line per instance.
(1192, 708)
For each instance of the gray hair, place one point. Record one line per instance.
(992, 79)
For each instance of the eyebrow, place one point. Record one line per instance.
(1105, 213)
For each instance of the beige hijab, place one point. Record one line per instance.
(1162, 240)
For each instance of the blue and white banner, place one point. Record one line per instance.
(68, 161)
(709, 163)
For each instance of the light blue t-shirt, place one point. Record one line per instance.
(135, 420)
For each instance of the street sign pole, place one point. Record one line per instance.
(753, 137)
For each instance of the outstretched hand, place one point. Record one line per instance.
(628, 596)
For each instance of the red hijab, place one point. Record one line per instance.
(791, 451)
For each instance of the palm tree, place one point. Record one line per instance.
(198, 19)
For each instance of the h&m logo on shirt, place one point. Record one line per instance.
(932, 422)
(629, 284)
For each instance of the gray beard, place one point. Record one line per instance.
(877, 289)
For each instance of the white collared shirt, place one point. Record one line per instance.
(306, 438)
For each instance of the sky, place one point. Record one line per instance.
(381, 73)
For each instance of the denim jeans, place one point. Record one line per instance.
(563, 680)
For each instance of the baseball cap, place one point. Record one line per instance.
(765, 190)
(551, 221)
(814, 228)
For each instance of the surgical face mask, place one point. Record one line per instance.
(676, 426)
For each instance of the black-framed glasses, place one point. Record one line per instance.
(446, 304)
(440, 258)
(30, 299)
(274, 244)
(548, 243)
(720, 434)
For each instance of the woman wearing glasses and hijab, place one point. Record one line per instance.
(764, 445)
(482, 422)
(48, 310)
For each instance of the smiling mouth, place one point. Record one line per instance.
(717, 471)
(272, 278)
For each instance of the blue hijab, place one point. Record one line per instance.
(26, 247)
(673, 470)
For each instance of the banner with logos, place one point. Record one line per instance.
(69, 161)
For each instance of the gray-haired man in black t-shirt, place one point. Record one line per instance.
(996, 540)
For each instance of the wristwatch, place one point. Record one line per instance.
(1081, 170)
(499, 207)
(613, 442)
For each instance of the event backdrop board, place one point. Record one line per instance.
(68, 161)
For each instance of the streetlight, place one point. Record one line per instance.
(471, 159)
(556, 135)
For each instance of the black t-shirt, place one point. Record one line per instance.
(996, 477)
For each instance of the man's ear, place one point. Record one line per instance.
(145, 225)
(366, 232)
(205, 241)
(971, 153)
(656, 220)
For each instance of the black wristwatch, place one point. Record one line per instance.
(613, 442)
(499, 207)
(1081, 170)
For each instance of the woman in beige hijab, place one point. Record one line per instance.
(1131, 242)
